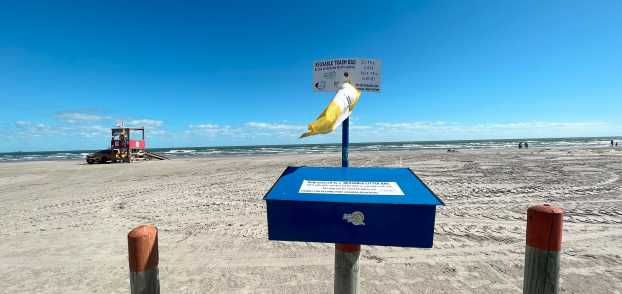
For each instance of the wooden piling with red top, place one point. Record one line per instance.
(142, 243)
(347, 268)
(544, 237)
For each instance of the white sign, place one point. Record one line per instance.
(328, 75)
(350, 187)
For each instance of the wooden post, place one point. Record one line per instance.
(544, 237)
(347, 268)
(129, 150)
(142, 243)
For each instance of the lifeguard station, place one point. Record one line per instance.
(129, 143)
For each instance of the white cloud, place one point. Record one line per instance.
(85, 118)
(22, 123)
(90, 131)
(442, 130)
(283, 130)
(37, 129)
(207, 126)
(544, 125)
(360, 127)
(254, 132)
(84, 130)
(211, 130)
(147, 123)
(441, 126)
(78, 124)
(33, 129)
(274, 126)
(75, 117)
(412, 126)
(247, 130)
(405, 130)
(153, 127)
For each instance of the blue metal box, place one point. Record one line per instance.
(355, 205)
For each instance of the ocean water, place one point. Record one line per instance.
(559, 143)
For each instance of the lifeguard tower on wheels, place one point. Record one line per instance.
(129, 143)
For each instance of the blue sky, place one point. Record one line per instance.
(214, 73)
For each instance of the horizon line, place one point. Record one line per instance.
(339, 143)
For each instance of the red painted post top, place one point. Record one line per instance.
(142, 243)
(544, 227)
(348, 247)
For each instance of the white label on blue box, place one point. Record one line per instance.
(351, 187)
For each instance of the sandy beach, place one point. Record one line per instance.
(64, 224)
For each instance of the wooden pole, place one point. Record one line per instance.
(347, 268)
(544, 237)
(142, 243)
(346, 255)
(129, 150)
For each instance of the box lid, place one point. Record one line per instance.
(352, 185)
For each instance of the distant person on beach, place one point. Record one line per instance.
(616, 144)
(520, 145)
(611, 143)
(526, 145)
